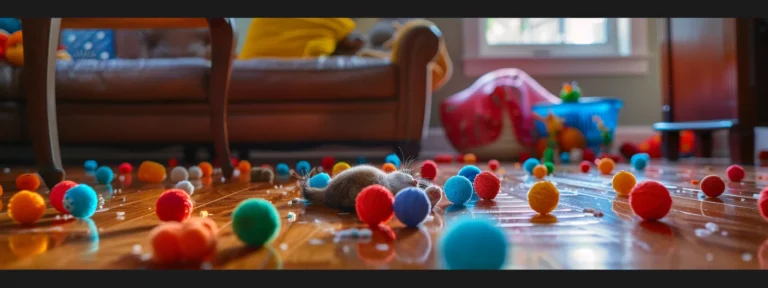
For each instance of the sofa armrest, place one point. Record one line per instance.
(415, 49)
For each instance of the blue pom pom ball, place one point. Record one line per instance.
(470, 171)
(104, 175)
(473, 244)
(282, 170)
(90, 165)
(361, 160)
(303, 167)
(529, 164)
(81, 201)
(412, 206)
(565, 157)
(458, 189)
(320, 180)
(392, 158)
(639, 161)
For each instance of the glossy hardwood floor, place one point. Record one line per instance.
(723, 233)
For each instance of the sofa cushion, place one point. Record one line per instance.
(325, 78)
(134, 80)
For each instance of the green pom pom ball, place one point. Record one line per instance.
(256, 222)
(550, 167)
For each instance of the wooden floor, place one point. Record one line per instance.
(723, 233)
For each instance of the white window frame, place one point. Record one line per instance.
(626, 52)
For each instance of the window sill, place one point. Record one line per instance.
(595, 66)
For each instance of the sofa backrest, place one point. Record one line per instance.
(162, 43)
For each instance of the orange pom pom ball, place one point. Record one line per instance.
(174, 205)
(543, 197)
(539, 171)
(387, 168)
(374, 205)
(244, 166)
(207, 168)
(165, 240)
(198, 240)
(623, 182)
(27, 181)
(606, 166)
(26, 207)
(470, 158)
(151, 172)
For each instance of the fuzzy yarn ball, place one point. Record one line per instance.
(435, 194)
(26, 207)
(56, 197)
(173, 205)
(388, 168)
(90, 165)
(327, 163)
(125, 168)
(320, 180)
(470, 172)
(198, 239)
(584, 166)
(151, 172)
(81, 201)
(762, 203)
(529, 164)
(540, 171)
(206, 168)
(412, 206)
(458, 189)
(606, 166)
(623, 182)
(639, 161)
(473, 244)
(487, 185)
(195, 173)
(282, 170)
(650, 200)
(185, 186)
(374, 205)
(303, 168)
(165, 240)
(104, 175)
(179, 173)
(392, 158)
(712, 186)
(543, 197)
(28, 181)
(262, 175)
(735, 173)
(429, 170)
(340, 167)
(565, 158)
(256, 222)
(493, 164)
(244, 166)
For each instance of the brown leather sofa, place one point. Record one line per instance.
(155, 94)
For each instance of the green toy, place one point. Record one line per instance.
(606, 135)
(570, 92)
(549, 156)
(550, 167)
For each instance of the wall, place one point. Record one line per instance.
(641, 94)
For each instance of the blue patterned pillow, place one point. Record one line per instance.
(89, 43)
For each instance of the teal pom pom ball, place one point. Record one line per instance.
(90, 165)
(529, 164)
(470, 171)
(104, 175)
(81, 201)
(473, 244)
(282, 170)
(392, 158)
(320, 180)
(303, 167)
(458, 189)
(256, 222)
(639, 161)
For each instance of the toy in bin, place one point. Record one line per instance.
(589, 119)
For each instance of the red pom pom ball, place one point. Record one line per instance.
(650, 200)
(487, 185)
(443, 158)
(57, 195)
(735, 173)
(327, 163)
(762, 203)
(588, 155)
(173, 162)
(125, 168)
(712, 186)
(493, 164)
(524, 156)
(173, 205)
(585, 166)
(429, 170)
(374, 205)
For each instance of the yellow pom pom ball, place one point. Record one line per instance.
(340, 167)
(543, 197)
(623, 182)
(539, 171)
(606, 166)
(151, 172)
(26, 207)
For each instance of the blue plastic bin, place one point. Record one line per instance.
(579, 115)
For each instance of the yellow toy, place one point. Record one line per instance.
(623, 182)
(340, 167)
(543, 197)
(26, 207)
(295, 37)
(554, 126)
(14, 50)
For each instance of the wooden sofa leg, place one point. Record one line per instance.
(41, 39)
(670, 145)
(222, 43)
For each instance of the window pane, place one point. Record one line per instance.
(545, 31)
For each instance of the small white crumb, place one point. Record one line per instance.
(382, 247)
(267, 191)
(58, 217)
(206, 266)
(123, 199)
(136, 249)
(120, 213)
(710, 257)
(121, 178)
(701, 233)
(146, 256)
(430, 218)
(285, 193)
(315, 241)
(289, 202)
(742, 199)
(746, 257)
(724, 233)
(345, 249)
(6, 170)
(150, 208)
(712, 227)
(283, 246)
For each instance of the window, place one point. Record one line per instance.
(586, 45)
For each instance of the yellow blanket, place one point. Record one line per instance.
(294, 37)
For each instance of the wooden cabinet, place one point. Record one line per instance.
(713, 77)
